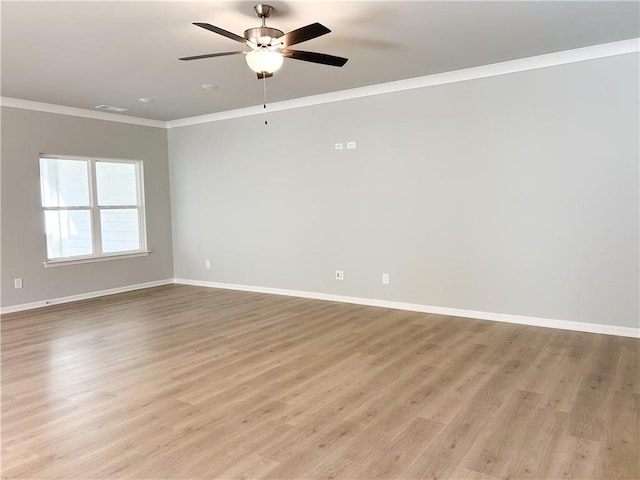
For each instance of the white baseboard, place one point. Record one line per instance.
(455, 312)
(412, 307)
(83, 296)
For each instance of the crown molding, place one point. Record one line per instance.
(78, 112)
(503, 68)
(484, 71)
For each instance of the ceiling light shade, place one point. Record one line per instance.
(264, 61)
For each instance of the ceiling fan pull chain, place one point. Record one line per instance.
(264, 93)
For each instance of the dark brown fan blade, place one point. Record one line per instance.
(314, 57)
(303, 34)
(264, 75)
(211, 55)
(221, 31)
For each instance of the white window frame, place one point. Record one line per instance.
(94, 213)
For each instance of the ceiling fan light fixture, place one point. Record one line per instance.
(264, 61)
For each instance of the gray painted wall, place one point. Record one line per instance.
(25, 134)
(515, 194)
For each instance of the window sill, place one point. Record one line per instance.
(94, 258)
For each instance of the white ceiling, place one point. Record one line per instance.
(86, 53)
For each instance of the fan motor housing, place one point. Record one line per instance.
(263, 36)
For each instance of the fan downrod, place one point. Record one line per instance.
(263, 36)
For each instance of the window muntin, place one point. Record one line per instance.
(92, 207)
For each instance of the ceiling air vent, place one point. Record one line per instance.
(109, 108)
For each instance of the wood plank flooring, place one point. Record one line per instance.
(181, 382)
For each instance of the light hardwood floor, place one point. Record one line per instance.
(182, 382)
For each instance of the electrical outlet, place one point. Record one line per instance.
(17, 283)
(339, 146)
(207, 264)
(351, 145)
(339, 275)
(385, 278)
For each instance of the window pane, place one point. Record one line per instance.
(116, 183)
(119, 230)
(64, 183)
(68, 233)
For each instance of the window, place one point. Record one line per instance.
(93, 208)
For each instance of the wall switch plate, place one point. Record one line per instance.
(339, 275)
(385, 278)
(207, 264)
(17, 283)
(351, 145)
(339, 146)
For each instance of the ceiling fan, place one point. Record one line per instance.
(269, 46)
